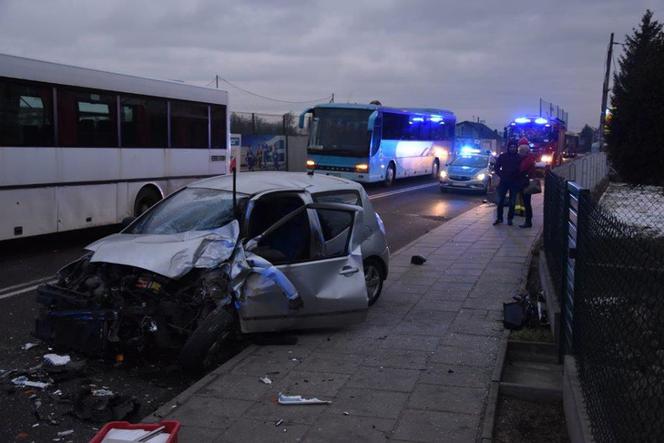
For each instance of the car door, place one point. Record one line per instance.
(329, 279)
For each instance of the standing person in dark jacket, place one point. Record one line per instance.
(507, 168)
(527, 171)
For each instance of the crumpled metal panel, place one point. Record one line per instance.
(330, 298)
(170, 255)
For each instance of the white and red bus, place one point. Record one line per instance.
(82, 147)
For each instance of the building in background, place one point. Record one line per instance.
(478, 135)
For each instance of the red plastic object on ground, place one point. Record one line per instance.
(171, 426)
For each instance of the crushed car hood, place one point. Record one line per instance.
(170, 255)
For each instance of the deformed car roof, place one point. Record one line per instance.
(252, 183)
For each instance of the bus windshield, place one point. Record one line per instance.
(340, 131)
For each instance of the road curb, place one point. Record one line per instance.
(170, 406)
(489, 414)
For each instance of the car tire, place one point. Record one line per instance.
(373, 278)
(145, 199)
(209, 343)
(390, 175)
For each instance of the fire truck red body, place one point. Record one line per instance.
(546, 137)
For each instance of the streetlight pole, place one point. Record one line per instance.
(605, 94)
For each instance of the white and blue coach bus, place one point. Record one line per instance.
(373, 143)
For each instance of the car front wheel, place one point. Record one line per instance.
(373, 278)
(209, 343)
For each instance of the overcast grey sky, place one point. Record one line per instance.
(492, 59)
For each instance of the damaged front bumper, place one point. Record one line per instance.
(65, 322)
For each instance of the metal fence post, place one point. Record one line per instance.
(564, 235)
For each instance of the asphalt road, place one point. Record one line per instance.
(409, 209)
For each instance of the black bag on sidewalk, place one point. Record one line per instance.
(514, 315)
(534, 186)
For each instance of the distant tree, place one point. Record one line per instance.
(636, 129)
(586, 138)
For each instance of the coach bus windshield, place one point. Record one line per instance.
(338, 131)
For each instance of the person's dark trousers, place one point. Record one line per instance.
(527, 204)
(503, 189)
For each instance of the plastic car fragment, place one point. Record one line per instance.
(288, 400)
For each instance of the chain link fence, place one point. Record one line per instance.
(641, 207)
(606, 258)
(549, 110)
(619, 324)
(256, 123)
(554, 231)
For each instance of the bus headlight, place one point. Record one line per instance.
(362, 167)
(481, 176)
(546, 158)
(311, 164)
(443, 174)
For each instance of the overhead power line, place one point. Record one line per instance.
(320, 99)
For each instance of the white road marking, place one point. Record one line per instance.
(22, 288)
(401, 191)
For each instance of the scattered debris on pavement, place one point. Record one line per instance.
(56, 360)
(266, 380)
(417, 260)
(288, 400)
(23, 381)
(279, 422)
(103, 408)
(28, 346)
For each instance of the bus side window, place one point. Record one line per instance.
(425, 130)
(395, 126)
(86, 118)
(218, 114)
(144, 122)
(26, 113)
(189, 125)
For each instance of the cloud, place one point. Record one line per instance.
(487, 59)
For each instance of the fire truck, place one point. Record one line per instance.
(546, 137)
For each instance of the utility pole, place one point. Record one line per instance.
(605, 93)
(216, 79)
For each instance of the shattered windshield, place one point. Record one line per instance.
(341, 132)
(191, 209)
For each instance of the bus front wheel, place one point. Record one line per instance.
(390, 175)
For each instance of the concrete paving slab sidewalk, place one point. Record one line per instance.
(418, 369)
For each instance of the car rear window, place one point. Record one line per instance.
(347, 197)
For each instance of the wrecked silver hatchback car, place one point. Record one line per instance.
(285, 251)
